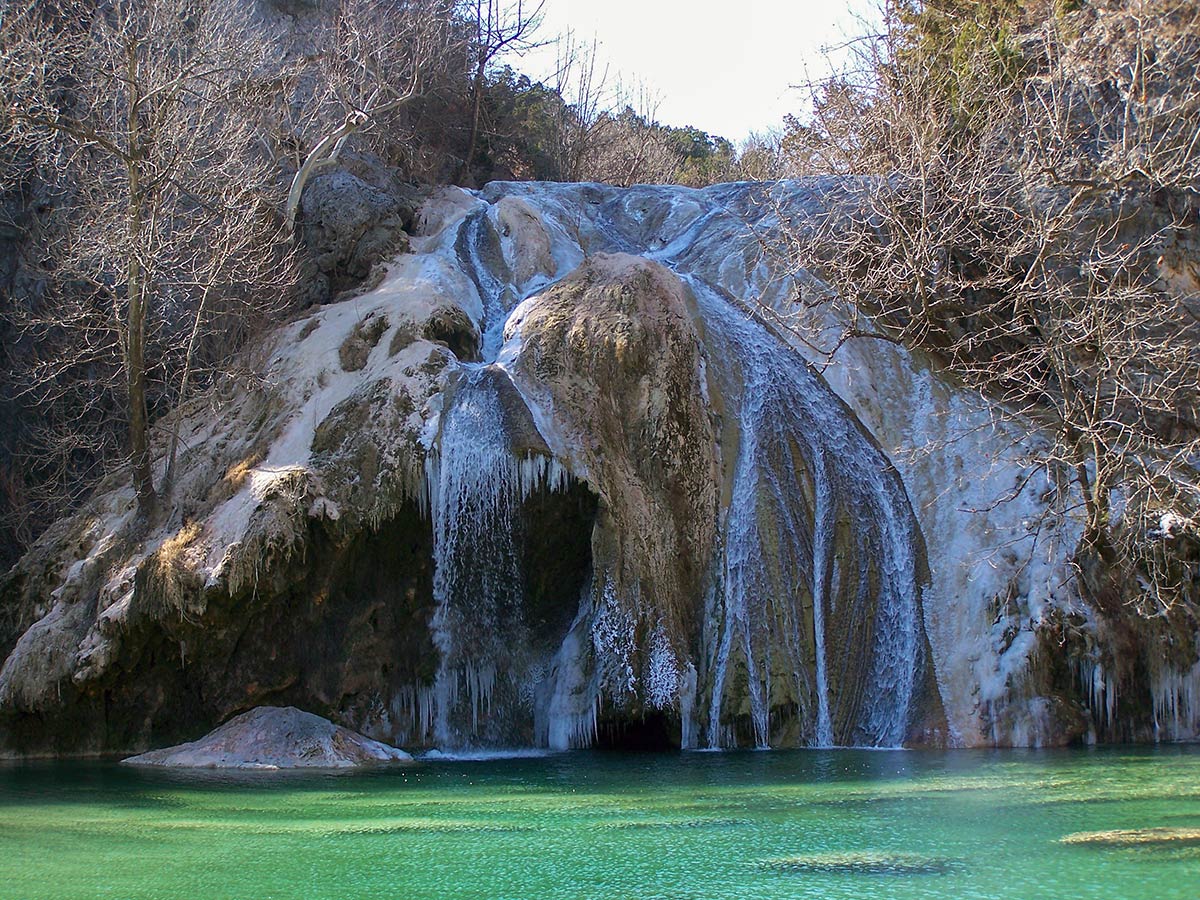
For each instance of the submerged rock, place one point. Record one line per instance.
(273, 737)
(1136, 837)
(864, 862)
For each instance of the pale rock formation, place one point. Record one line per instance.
(272, 737)
(560, 478)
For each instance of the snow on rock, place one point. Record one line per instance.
(780, 548)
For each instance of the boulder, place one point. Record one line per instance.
(274, 737)
(353, 218)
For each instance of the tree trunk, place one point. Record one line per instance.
(476, 107)
(135, 326)
(135, 364)
(324, 153)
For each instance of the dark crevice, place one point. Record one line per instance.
(650, 731)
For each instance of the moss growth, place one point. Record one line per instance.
(451, 326)
(236, 474)
(309, 327)
(401, 338)
(357, 347)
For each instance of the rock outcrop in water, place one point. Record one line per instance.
(271, 737)
(555, 482)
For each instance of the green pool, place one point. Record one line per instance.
(838, 824)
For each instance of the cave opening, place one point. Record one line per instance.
(649, 731)
(556, 557)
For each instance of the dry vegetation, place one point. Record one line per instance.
(1022, 200)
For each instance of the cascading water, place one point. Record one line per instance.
(476, 486)
(479, 252)
(777, 526)
(822, 557)
(817, 588)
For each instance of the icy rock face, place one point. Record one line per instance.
(555, 480)
(272, 737)
(813, 562)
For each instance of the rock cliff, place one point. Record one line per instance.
(562, 479)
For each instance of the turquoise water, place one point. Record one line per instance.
(837, 824)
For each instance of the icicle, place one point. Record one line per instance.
(1176, 702)
(1100, 688)
(662, 679)
(568, 718)
(475, 486)
(613, 641)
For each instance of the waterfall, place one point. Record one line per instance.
(787, 415)
(816, 598)
(567, 711)
(479, 252)
(476, 486)
(822, 551)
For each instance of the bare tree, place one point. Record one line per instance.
(607, 129)
(632, 147)
(1019, 214)
(498, 26)
(586, 91)
(374, 58)
(148, 110)
(759, 157)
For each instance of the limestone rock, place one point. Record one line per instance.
(613, 351)
(558, 476)
(353, 218)
(272, 737)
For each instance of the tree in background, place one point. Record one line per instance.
(147, 113)
(1024, 210)
(498, 27)
(153, 154)
(586, 125)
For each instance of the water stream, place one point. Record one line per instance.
(476, 485)
(788, 418)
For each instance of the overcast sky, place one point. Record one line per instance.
(724, 67)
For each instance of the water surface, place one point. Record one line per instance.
(815, 824)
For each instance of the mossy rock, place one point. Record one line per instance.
(357, 347)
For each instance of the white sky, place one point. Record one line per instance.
(724, 67)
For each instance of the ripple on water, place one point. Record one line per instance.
(677, 823)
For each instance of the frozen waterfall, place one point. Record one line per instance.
(813, 627)
(476, 485)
